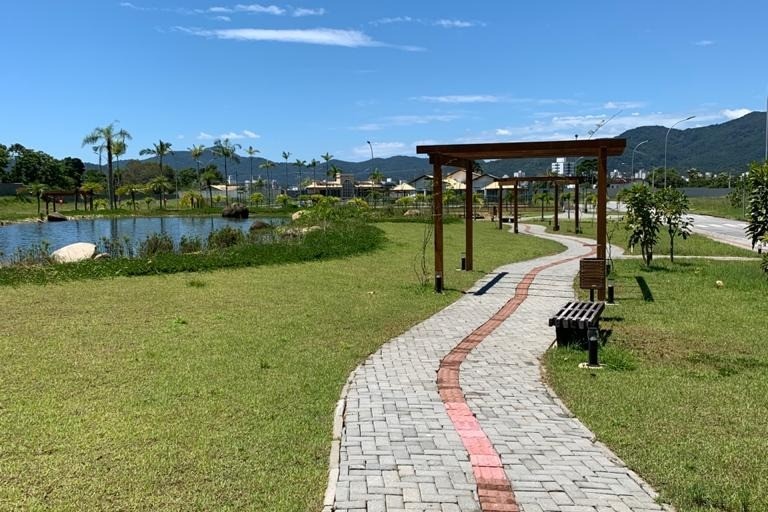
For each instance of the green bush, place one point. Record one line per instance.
(225, 237)
(189, 244)
(154, 244)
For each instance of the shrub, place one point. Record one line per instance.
(190, 244)
(225, 237)
(154, 244)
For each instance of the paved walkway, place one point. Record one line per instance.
(452, 416)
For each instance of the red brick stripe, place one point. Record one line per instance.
(493, 486)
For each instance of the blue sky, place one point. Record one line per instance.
(327, 75)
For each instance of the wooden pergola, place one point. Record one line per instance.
(545, 179)
(463, 155)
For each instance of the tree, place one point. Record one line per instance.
(543, 198)
(251, 151)
(107, 135)
(160, 185)
(286, 156)
(158, 149)
(209, 177)
(565, 200)
(118, 150)
(89, 189)
(267, 166)
(642, 220)
(283, 200)
(37, 190)
(757, 181)
(227, 151)
(257, 198)
(130, 189)
(672, 206)
(196, 152)
(299, 164)
(5, 157)
(313, 164)
(376, 176)
(331, 173)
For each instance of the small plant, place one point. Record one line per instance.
(34, 255)
(196, 283)
(225, 237)
(116, 247)
(154, 244)
(188, 244)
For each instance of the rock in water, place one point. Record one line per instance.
(235, 211)
(74, 252)
(56, 217)
(259, 225)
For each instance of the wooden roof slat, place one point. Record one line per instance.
(503, 150)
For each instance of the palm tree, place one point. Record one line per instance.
(196, 152)
(300, 164)
(118, 149)
(99, 150)
(313, 164)
(286, 156)
(543, 197)
(89, 188)
(251, 151)
(227, 151)
(37, 190)
(331, 173)
(268, 165)
(107, 135)
(566, 198)
(208, 178)
(159, 149)
(376, 176)
(131, 190)
(160, 185)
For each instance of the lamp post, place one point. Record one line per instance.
(665, 146)
(632, 168)
(370, 146)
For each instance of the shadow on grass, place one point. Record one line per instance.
(644, 288)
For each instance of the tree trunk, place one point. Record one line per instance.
(671, 246)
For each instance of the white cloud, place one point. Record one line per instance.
(407, 120)
(320, 36)
(180, 137)
(397, 19)
(224, 10)
(245, 134)
(260, 9)
(735, 113)
(704, 42)
(380, 150)
(473, 98)
(222, 18)
(503, 132)
(301, 11)
(456, 23)
(621, 105)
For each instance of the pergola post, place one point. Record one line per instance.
(515, 212)
(469, 217)
(557, 208)
(602, 204)
(437, 219)
(501, 205)
(576, 207)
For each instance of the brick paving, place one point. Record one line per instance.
(479, 432)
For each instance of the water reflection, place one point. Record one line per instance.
(134, 229)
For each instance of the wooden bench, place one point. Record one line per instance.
(574, 321)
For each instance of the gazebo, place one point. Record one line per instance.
(463, 155)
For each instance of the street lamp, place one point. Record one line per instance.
(632, 169)
(370, 146)
(665, 146)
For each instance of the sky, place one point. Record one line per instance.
(327, 76)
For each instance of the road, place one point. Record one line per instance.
(723, 230)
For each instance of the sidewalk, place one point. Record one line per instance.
(452, 415)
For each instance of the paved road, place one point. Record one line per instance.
(453, 416)
(724, 230)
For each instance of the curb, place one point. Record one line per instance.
(334, 458)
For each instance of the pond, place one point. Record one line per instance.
(134, 229)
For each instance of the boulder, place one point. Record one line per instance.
(74, 252)
(297, 215)
(259, 225)
(412, 213)
(56, 217)
(235, 211)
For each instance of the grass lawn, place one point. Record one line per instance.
(683, 399)
(694, 245)
(717, 206)
(204, 391)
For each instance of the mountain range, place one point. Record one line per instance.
(729, 146)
